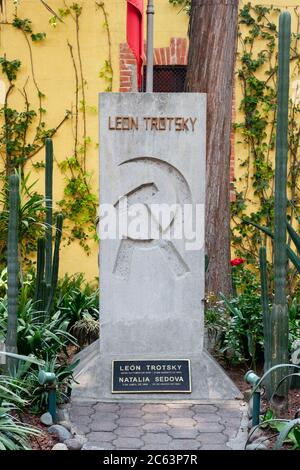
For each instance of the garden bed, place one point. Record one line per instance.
(44, 441)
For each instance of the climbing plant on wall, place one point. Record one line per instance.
(106, 71)
(16, 146)
(185, 4)
(255, 128)
(79, 202)
(24, 130)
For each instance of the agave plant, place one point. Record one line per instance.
(45, 339)
(41, 339)
(288, 430)
(76, 300)
(64, 374)
(13, 433)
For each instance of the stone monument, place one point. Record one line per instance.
(152, 196)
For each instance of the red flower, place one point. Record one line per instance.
(237, 261)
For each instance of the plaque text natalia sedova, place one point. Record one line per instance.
(151, 376)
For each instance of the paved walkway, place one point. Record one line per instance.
(156, 426)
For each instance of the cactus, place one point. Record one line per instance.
(12, 267)
(266, 313)
(40, 269)
(294, 236)
(47, 268)
(279, 318)
(48, 201)
(55, 265)
(293, 257)
(276, 339)
(277, 328)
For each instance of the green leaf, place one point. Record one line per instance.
(297, 436)
(278, 366)
(285, 432)
(38, 37)
(33, 360)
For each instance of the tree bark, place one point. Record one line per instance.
(211, 61)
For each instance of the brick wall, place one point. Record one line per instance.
(175, 54)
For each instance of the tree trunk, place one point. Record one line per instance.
(212, 52)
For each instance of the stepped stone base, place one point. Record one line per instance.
(209, 380)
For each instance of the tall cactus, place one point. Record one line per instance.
(48, 263)
(40, 271)
(279, 316)
(49, 201)
(12, 266)
(266, 313)
(55, 264)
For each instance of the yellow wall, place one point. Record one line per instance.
(243, 174)
(55, 76)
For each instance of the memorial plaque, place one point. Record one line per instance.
(151, 376)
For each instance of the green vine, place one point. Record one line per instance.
(16, 148)
(79, 203)
(185, 4)
(106, 71)
(256, 73)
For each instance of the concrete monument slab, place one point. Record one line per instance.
(152, 179)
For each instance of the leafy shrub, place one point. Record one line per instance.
(76, 299)
(239, 319)
(244, 334)
(76, 311)
(294, 322)
(286, 430)
(64, 381)
(13, 433)
(40, 339)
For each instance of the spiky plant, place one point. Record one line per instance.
(266, 312)
(12, 266)
(48, 200)
(279, 317)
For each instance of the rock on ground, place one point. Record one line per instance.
(75, 443)
(256, 446)
(46, 419)
(60, 432)
(65, 424)
(59, 446)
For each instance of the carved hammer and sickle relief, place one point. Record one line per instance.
(173, 189)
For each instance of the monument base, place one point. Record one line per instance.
(208, 380)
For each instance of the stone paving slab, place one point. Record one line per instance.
(168, 425)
